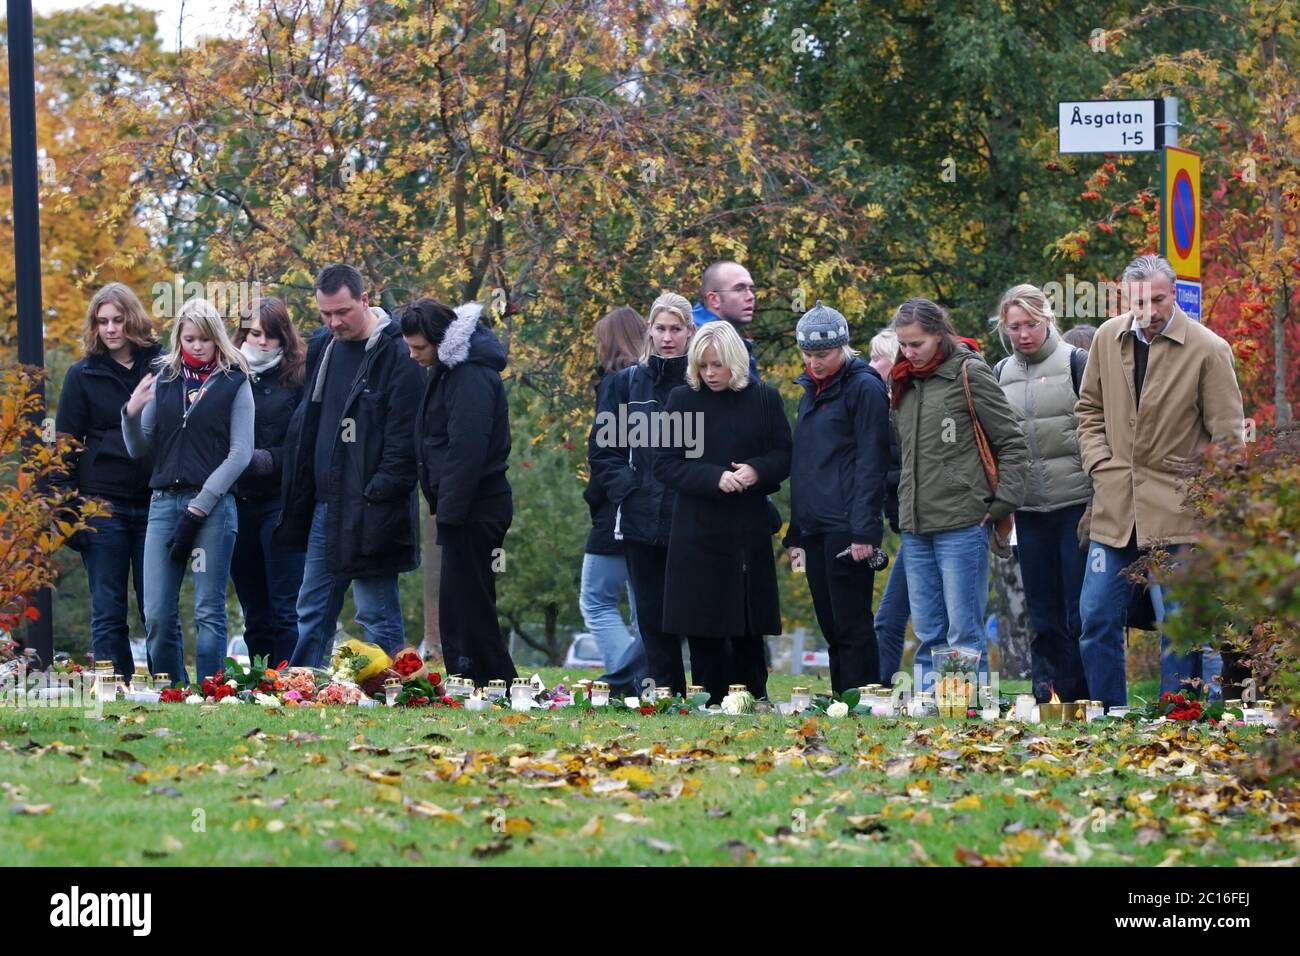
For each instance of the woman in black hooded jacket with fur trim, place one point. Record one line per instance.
(462, 435)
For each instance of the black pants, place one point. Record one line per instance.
(472, 643)
(841, 594)
(646, 565)
(267, 580)
(718, 662)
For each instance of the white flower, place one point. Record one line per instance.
(740, 703)
(232, 683)
(232, 699)
(632, 702)
(837, 709)
(194, 699)
(267, 700)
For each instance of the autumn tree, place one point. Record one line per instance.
(1241, 111)
(37, 512)
(87, 60)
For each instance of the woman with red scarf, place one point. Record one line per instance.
(946, 507)
(196, 419)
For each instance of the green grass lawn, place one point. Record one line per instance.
(238, 785)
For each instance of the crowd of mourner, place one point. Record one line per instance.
(297, 469)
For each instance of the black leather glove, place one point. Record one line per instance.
(181, 543)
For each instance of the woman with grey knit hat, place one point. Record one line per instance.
(837, 490)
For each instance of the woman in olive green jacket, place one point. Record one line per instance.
(945, 505)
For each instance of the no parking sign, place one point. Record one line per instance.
(1180, 233)
(1180, 237)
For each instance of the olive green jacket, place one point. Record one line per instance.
(943, 486)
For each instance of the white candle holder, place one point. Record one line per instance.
(1025, 706)
(521, 694)
(392, 687)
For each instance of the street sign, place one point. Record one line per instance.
(1107, 126)
(1180, 211)
(1188, 296)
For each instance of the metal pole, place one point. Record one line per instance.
(27, 245)
(1169, 123)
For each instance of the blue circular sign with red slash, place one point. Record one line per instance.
(1182, 213)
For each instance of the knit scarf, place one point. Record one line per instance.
(194, 373)
(904, 373)
(819, 384)
(260, 362)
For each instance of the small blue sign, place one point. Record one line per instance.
(1188, 296)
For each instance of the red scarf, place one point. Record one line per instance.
(904, 373)
(819, 384)
(195, 373)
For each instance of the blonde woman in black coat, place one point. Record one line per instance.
(720, 588)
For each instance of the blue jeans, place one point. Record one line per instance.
(604, 581)
(210, 561)
(1051, 568)
(948, 587)
(1103, 607)
(1205, 664)
(891, 620)
(112, 556)
(267, 580)
(379, 609)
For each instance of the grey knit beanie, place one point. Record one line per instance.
(820, 328)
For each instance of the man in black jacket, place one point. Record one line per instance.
(349, 470)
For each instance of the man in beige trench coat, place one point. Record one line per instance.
(1157, 389)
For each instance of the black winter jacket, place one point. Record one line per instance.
(463, 426)
(373, 526)
(629, 475)
(721, 575)
(274, 403)
(841, 456)
(600, 539)
(89, 410)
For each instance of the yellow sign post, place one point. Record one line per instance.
(1180, 227)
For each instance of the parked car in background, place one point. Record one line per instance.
(584, 652)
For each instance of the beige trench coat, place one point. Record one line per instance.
(1139, 460)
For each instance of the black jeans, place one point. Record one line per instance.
(267, 580)
(472, 643)
(841, 593)
(646, 565)
(114, 555)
